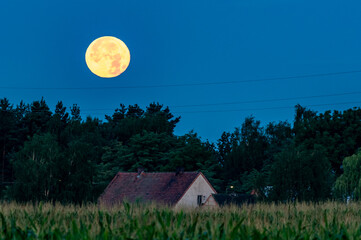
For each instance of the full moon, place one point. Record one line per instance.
(107, 57)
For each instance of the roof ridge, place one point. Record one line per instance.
(164, 187)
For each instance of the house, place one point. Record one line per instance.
(178, 189)
(229, 199)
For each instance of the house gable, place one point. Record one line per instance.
(199, 187)
(211, 202)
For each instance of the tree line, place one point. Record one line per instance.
(58, 156)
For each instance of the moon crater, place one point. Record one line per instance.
(107, 57)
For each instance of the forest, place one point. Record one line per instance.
(58, 156)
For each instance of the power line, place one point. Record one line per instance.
(269, 108)
(250, 101)
(244, 109)
(233, 110)
(89, 110)
(188, 84)
(267, 100)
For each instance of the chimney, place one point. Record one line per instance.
(179, 171)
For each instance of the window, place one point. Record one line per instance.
(199, 200)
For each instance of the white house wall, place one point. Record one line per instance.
(199, 187)
(211, 202)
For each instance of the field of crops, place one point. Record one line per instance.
(259, 221)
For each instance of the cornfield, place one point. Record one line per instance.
(134, 221)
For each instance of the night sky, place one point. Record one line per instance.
(259, 44)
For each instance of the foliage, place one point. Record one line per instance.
(36, 166)
(8, 137)
(247, 151)
(300, 174)
(260, 221)
(338, 132)
(60, 156)
(148, 150)
(348, 185)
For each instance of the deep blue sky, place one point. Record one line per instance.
(43, 44)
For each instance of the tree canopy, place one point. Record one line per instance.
(58, 156)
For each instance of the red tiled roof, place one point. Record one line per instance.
(165, 187)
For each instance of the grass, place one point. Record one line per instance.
(260, 221)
